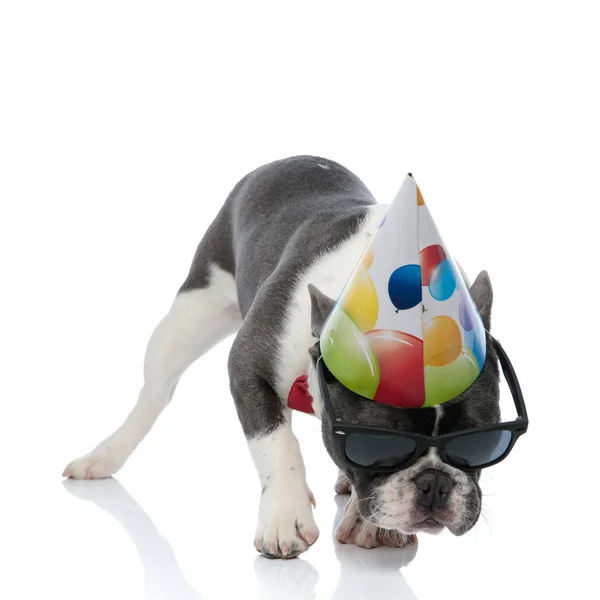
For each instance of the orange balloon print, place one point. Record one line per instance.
(360, 300)
(442, 341)
(420, 201)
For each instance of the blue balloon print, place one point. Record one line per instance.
(404, 287)
(479, 345)
(469, 339)
(466, 309)
(443, 281)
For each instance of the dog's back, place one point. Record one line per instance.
(280, 216)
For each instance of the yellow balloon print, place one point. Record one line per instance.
(360, 300)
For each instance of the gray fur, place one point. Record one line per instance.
(483, 295)
(274, 224)
(321, 306)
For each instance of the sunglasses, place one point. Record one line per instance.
(386, 451)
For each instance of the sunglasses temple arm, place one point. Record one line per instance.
(513, 382)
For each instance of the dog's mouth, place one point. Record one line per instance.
(429, 524)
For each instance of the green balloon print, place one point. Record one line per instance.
(348, 354)
(451, 380)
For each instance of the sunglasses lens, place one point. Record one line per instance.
(371, 450)
(478, 449)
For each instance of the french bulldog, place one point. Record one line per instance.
(268, 270)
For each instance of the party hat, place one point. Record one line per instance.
(405, 330)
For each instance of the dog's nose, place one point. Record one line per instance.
(433, 488)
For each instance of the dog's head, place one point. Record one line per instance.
(428, 495)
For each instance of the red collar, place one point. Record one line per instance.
(299, 397)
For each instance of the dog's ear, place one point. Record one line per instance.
(321, 306)
(482, 294)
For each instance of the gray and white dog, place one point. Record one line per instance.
(268, 269)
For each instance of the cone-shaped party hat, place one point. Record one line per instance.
(405, 330)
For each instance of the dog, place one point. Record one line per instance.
(268, 270)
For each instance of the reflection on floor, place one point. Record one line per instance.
(363, 573)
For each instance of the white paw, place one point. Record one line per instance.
(102, 462)
(354, 530)
(343, 485)
(286, 526)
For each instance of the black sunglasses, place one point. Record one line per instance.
(386, 451)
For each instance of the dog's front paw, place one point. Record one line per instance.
(343, 485)
(286, 526)
(102, 462)
(354, 530)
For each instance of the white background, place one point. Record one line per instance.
(124, 125)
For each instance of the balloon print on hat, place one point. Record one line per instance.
(442, 341)
(347, 353)
(469, 338)
(442, 282)
(361, 302)
(404, 287)
(365, 342)
(430, 257)
(367, 258)
(474, 332)
(400, 358)
(479, 350)
(447, 382)
(465, 309)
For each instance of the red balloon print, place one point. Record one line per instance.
(431, 257)
(400, 357)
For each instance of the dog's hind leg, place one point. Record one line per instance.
(199, 318)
